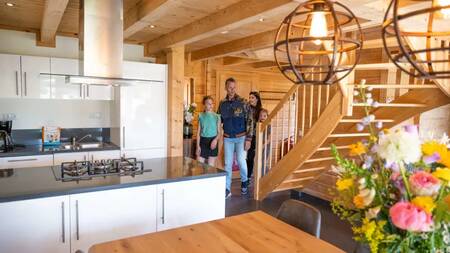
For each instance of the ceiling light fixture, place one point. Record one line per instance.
(422, 38)
(224, 32)
(261, 20)
(152, 26)
(311, 47)
(9, 4)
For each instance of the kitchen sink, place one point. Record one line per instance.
(81, 146)
(90, 145)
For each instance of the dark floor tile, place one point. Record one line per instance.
(333, 230)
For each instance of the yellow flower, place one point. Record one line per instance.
(344, 184)
(442, 173)
(358, 201)
(372, 232)
(373, 138)
(357, 149)
(431, 147)
(424, 202)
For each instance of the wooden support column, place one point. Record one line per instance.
(175, 62)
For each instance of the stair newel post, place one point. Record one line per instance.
(258, 159)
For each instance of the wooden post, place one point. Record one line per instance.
(258, 159)
(175, 62)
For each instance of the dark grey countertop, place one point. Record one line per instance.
(39, 182)
(28, 150)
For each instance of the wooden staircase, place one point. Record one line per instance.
(293, 144)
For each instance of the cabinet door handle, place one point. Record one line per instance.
(63, 222)
(17, 83)
(22, 160)
(77, 220)
(123, 131)
(25, 82)
(87, 90)
(81, 91)
(163, 217)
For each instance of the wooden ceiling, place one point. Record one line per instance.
(234, 27)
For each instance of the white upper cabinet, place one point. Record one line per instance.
(61, 89)
(143, 115)
(10, 84)
(35, 85)
(144, 71)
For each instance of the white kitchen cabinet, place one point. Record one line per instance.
(10, 84)
(144, 71)
(143, 116)
(200, 201)
(59, 158)
(35, 85)
(109, 215)
(37, 225)
(98, 92)
(61, 89)
(26, 161)
(101, 155)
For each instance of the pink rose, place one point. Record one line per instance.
(424, 184)
(409, 217)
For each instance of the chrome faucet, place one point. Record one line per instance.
(74, 140)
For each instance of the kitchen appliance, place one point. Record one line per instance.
(85, 170)
(6, 143)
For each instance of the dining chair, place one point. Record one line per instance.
(301, 215)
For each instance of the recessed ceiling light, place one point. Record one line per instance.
(152, 26)
(9, 4)
(261, 20)
(224, 32)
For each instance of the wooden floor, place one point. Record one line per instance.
(333, 230)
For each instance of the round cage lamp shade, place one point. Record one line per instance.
(421, 32)
(311, 46)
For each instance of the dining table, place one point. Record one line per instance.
(253, 232)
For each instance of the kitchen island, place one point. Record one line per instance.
(39, 213)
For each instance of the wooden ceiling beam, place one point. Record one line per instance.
(233, 61)
(229, 18)
(257, 41)
(144, 14)
(51, 18)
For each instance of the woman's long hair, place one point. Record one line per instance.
(258, 104)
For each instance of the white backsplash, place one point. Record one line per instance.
(35, 113)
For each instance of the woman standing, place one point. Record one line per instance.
(254, 99)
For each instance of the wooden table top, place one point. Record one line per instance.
(255, 232)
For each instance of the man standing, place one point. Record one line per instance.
(237, 131)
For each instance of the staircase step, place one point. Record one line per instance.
(397, 86)
(321, 159)
(359, 120)
(349, 135)
(329, 148)
(391, 105)
(297, 179)
(309, 170)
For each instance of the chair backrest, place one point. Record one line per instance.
(300, 215)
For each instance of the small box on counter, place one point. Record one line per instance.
(51, 135)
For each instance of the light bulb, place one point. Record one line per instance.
(318, 26)
(445, 12)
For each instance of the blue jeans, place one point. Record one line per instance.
(232, 145)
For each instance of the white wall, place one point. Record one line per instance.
(23, 43)
(35, 113)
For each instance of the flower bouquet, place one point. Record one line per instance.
(395, 188)
(189, 111)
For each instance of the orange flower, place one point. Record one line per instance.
(358, 201)
(447, 200)
(357, 149)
